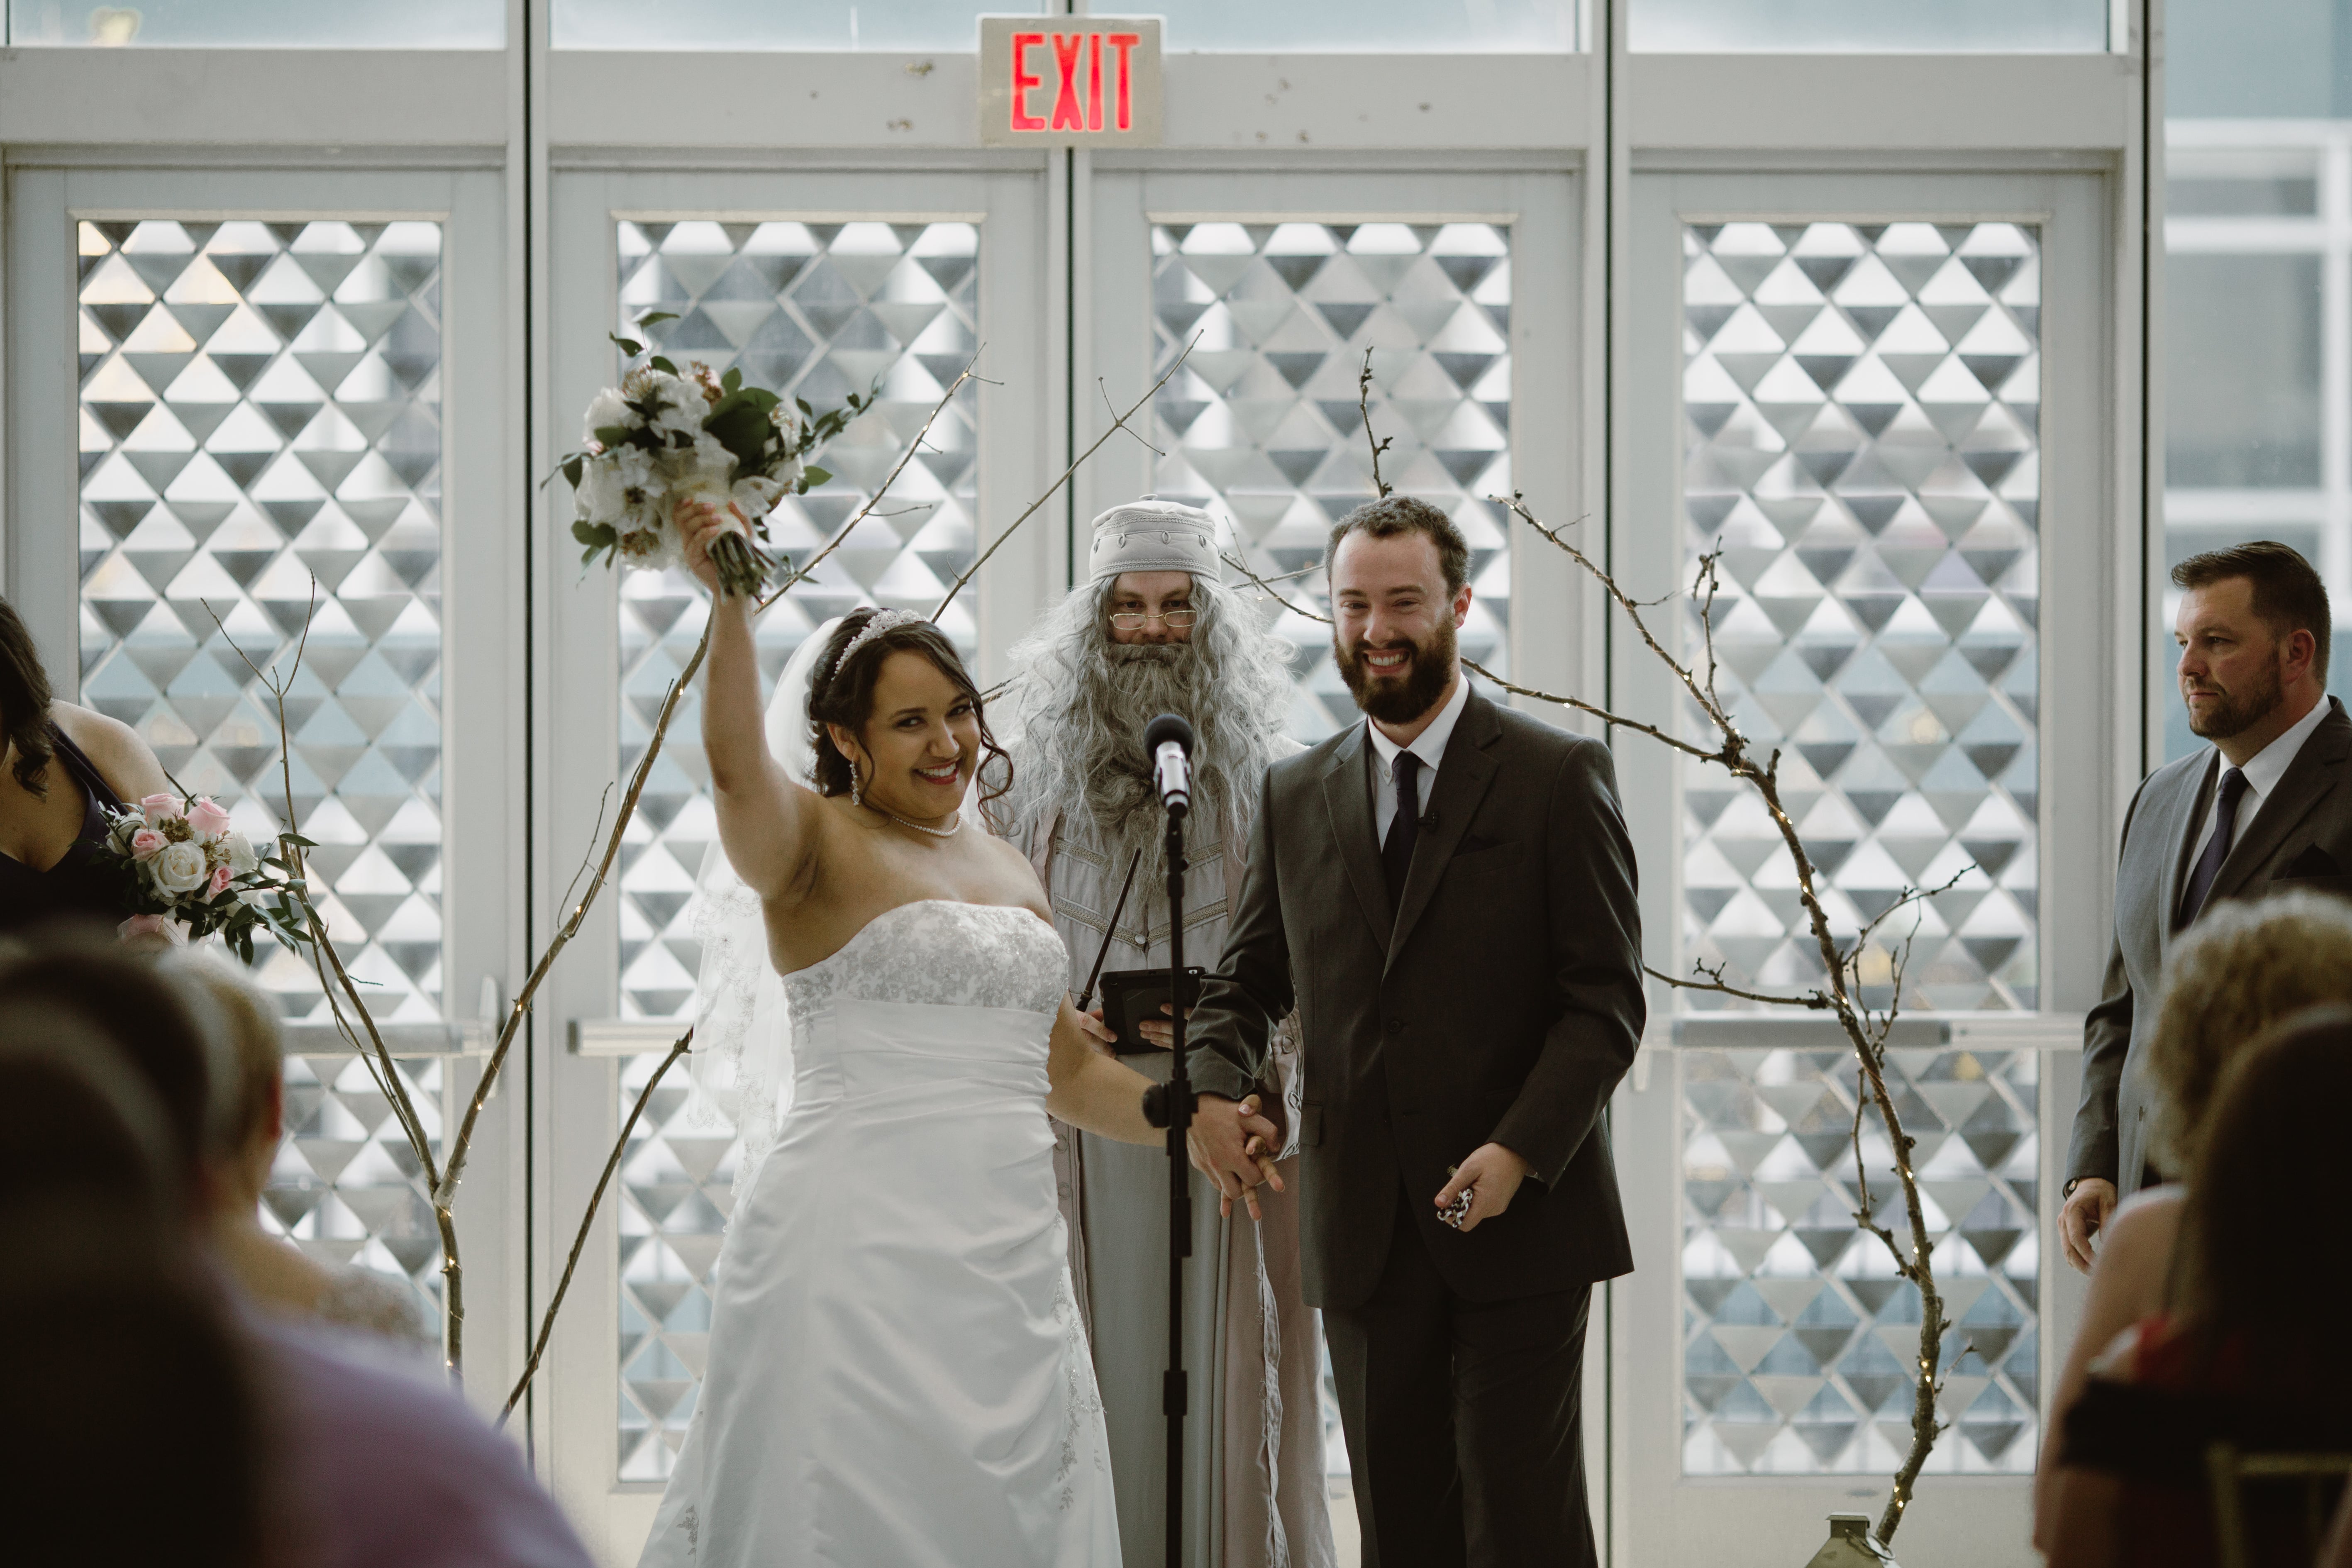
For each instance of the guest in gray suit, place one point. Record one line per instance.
(1446, 893)
(2262, 811)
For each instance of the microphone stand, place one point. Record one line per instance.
(1179, 1105)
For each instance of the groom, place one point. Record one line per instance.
(1446, 894)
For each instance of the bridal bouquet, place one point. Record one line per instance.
(665, 435)
(184, 863)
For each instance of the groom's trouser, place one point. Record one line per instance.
(1462, 1420)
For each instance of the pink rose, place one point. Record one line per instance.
(221, 875)
(207, 819)
(145, 842)
(157, 808)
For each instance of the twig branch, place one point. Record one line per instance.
(587, 1220)
(1364, 408)
(801, 574)
(1104, 387)
(1118, 424)
(1715, 981)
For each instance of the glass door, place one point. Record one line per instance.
(1888, 415)
(1271, 289)
(817, 285)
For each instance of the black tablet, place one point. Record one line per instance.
(1131, 995)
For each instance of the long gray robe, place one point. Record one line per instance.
(1254, 1477)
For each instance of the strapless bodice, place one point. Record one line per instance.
(934, 952)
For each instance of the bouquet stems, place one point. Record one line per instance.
(743, 567)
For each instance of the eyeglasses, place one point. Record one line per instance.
(1136, 620)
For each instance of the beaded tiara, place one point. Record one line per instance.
(883, 621)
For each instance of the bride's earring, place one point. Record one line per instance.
(857, 785)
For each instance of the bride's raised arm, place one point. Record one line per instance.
(767, 822)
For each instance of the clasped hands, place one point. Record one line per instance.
(1234, 1143)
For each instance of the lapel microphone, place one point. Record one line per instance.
(1429, 819)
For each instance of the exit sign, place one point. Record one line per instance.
(1069, 81)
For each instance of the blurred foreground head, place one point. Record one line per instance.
(2264, 1262)
(143, 1425)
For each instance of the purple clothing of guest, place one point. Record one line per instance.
(387, 1467)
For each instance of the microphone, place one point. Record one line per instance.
(1168, 740)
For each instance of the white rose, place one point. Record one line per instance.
(600, 497)
(609, 408)
(180, 868)
(241, 857)
(682, 406)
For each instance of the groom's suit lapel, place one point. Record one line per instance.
(1348, 796)
(1463, 777)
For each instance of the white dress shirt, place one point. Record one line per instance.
(1429, 746)
(2263, 772)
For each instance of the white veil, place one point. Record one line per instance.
(742, 1058)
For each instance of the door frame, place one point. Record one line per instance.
(1662, 1515)
(576, 1115)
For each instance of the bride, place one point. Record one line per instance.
(896, 1373)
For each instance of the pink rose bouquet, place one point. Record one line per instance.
(185, 868)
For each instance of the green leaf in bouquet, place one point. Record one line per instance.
(802, 405)
(732, 379)
(613, 434)
(662, 365)
(573, 465)
(650, 317)
(629, 346)
(812, 475)
(740, 426)
(298, 840)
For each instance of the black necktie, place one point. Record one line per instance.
(1396, 851)
(2217, 849)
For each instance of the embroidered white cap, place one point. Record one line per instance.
(1153, 535)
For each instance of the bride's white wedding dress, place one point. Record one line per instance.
(898, 1377)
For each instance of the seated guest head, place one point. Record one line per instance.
(247, 1126)
(2258, 1271)
(86, 975)
(142, 1380)
(2242, 969)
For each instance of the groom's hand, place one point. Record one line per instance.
(1492, 1173)
(1223, 1138)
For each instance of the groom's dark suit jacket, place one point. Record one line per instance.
(1501, 1002)
(2300, 838)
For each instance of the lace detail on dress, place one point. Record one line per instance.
(1082, 1400)
(944, 955)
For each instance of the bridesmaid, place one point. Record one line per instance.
(62, 764)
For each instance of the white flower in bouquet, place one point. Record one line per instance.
(606, 409)
(180, 868)
(238, 849)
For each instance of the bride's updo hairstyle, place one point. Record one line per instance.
(842, 694)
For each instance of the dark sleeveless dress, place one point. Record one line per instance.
(80, 884)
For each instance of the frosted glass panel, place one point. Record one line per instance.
(1337, 26)
(261, 24)
(946, 24)
(1863, 446)
(260, 423)
(1862, 27)
(1796, 1333)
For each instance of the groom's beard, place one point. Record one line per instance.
(1399, 699)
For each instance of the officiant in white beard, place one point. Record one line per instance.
(1154, 630)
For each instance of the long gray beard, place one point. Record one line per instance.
(1097, 778)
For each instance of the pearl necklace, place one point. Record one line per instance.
(947, 832)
